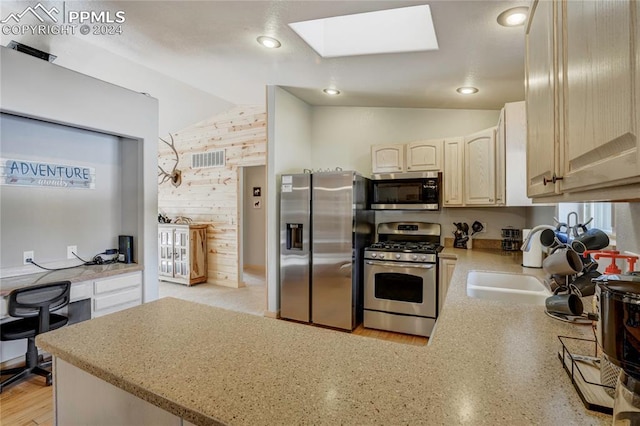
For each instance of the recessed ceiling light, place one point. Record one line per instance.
(332, 92)
(269, 42)
(513, 17)
(467, 90)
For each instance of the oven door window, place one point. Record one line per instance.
(399, 287)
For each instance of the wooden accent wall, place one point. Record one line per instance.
(211, 195)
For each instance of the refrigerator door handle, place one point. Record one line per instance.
(401, 265)
(346, 269)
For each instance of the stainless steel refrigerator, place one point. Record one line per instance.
(325, 225)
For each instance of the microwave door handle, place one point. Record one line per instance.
(401, 265)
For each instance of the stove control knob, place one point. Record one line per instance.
(423, 258)
(373, 255)
(398, 256)
(415, 257)
(381, 255)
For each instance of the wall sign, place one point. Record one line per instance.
(36, 173)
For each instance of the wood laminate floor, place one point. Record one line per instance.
(30, 403)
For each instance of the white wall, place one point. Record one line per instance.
(48, 219)
(37, 89)
(180, 105)
(288, 151)
(342, 136)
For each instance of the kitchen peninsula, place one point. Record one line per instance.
(488, 362)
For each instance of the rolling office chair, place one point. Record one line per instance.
(35, 306)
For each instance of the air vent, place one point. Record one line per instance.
(208, 159)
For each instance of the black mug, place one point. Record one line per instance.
(565, 304)
(593, 239)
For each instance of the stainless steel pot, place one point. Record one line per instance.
(618, 328)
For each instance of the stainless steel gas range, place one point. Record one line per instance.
(401, 278)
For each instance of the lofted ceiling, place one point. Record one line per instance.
(212, 46)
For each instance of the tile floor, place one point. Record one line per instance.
(251, 299)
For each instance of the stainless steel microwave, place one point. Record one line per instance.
(406, 191)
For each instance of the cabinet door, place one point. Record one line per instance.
(387, 158)
(515, 134)
(453, 173)
(540, 99)
(424, 155)
(480, 168)
(600, 136)
(165, 251)
(198, 254)
(446, 272)
(501, 145)
(181, 253)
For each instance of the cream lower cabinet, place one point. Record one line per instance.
(582, 99)
(480, 168)
(446, 272)
(84, 399)
(182, 253)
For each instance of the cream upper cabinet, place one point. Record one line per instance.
(582, 100)
(599, 130)
(480, 168)
(501, 134)
(387, 158)
(453, 172)
(424, 156)
(513, 179)
(540, 89)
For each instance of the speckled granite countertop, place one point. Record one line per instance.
(79, 274)
(488, 363)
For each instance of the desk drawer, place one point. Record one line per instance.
(119, 282)
(81, 291)
(127, 297)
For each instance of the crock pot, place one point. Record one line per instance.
(618, 328)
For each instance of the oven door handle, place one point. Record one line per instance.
(401, 265)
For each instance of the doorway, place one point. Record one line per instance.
(253, 216)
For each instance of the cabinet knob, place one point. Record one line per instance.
(553, 179)
(491, 200)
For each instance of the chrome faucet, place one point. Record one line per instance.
(526, 244)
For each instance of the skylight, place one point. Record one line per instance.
(407, 29)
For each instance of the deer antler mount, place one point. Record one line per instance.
(175, 177)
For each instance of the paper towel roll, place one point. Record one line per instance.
(533, 257)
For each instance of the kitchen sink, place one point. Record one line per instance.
(508, 287)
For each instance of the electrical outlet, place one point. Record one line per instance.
(70, 251)
(27, 257)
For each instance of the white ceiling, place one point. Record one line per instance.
(212, 46)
